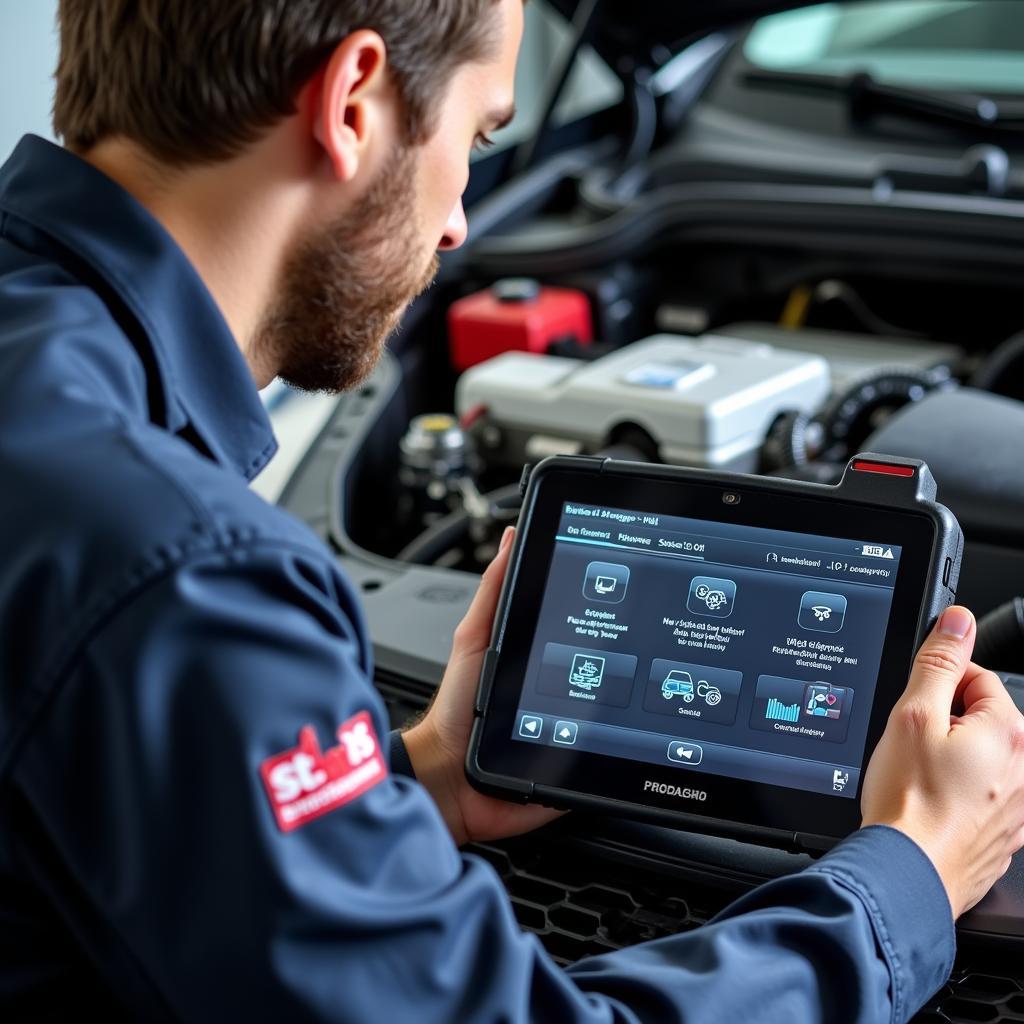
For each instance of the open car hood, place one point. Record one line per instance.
(649, 32)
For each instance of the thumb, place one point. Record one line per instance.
(941, 662)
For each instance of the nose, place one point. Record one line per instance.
(456, 229)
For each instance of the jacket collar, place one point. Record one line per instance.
(201, 376)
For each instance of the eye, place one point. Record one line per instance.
(482, 141)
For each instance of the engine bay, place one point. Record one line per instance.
(500, 382)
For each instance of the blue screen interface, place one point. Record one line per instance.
(711, 647)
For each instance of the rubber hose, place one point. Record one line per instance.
(1000, 643)
(443, 535)
(1001, 372)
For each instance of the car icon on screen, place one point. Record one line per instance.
(678, 684)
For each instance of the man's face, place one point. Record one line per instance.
(346, 286)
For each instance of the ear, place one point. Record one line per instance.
(352, 91)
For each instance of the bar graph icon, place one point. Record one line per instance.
(783, 712)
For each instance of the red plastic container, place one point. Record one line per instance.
(516, 315)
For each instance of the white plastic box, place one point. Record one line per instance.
(706, 402)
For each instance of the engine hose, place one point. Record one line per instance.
(448, 531)
(1001, 372)
(1000, 643)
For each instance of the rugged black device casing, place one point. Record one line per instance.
(869, 488)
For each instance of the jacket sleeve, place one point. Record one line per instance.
(156, 835)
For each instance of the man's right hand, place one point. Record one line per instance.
(949, 769)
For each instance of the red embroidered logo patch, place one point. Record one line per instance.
(304, 783)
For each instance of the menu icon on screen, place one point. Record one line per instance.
(822, 613)
(606, 581)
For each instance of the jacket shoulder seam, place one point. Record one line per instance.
(154, 567)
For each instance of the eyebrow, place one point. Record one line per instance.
(501, 117)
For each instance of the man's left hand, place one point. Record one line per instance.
(437, 743)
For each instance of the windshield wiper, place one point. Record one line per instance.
(868, 97)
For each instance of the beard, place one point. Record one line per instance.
(345, 288)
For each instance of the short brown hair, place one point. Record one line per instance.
(197, 80)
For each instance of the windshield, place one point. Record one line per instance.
(965, 45)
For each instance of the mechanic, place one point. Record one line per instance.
(197, 820)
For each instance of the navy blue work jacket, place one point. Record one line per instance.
(196, 820)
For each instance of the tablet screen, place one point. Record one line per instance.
(712, 647)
